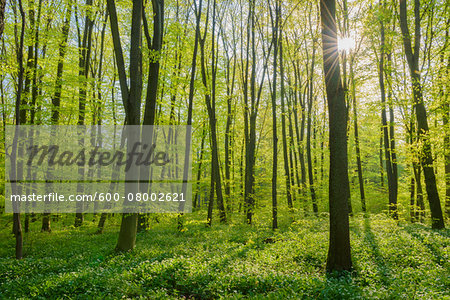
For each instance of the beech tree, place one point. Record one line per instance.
(131, 100)
(339, 256)
(426, 159)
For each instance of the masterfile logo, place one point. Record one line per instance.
(108, 168)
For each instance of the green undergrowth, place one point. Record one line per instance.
(237, 261)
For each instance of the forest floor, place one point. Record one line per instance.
(225, 261)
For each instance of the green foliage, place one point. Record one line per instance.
(226, 261)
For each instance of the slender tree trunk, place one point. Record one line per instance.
(358, 150)
(34, 82)
(210, 200)
(154, 46)
(345, 80)
(84, 64)
(34, 93)
(132, 103)
(412, 198)
(2, 95)
(426, 158)
(444, 75)
(381, 157)
(213, 123)
(339, 254)
(46, 227)
(230, 79)
(2, 16)
(445, 118)
(250, 114)
(391, 147)
(56, 99)
(293, 162)
(199, 170)
(275, 25)
(287, 173)
(198, 12)
(210, 105)
(30, 72)
(25, 101)
(17, 225)
(299, 132)
(242, 176)
(385, 128)
(420, 205)
(308, 133)
(190, 108)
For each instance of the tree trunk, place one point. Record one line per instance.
(420, 205)
(230, 80)
(199, 170)
(198, 13)
(250, 114)
(17, 225)
(287, 173)
(392, 184)
(34, 82)
(445, 117)
(2, 16)
(46, 227)
(210, 200)
(56, 99)
(299, 132)
(132, 103)
(275, 26)
(426, 157)
(412, 198)
(358, 150)
(84, 64)
(381, 157)
(292, 152)
(154, 46)
(211, 108)
(339, 254)
(308, 133)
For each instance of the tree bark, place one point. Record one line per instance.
(83, 65)
(275, 25)
(299, 130)
(426, 159)
(15, 189)
(339, 254)
(250, 113)
(287, 165)
(199, 170)
(392, 184)
(308, 133)
(2, 16)
(412, 198)
(210, 200)
(154, 46)
(56, 99)
(211, 108)
(132, 103)
(230, 74)
(358, 150)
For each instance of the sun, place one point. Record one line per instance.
(346, 44)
